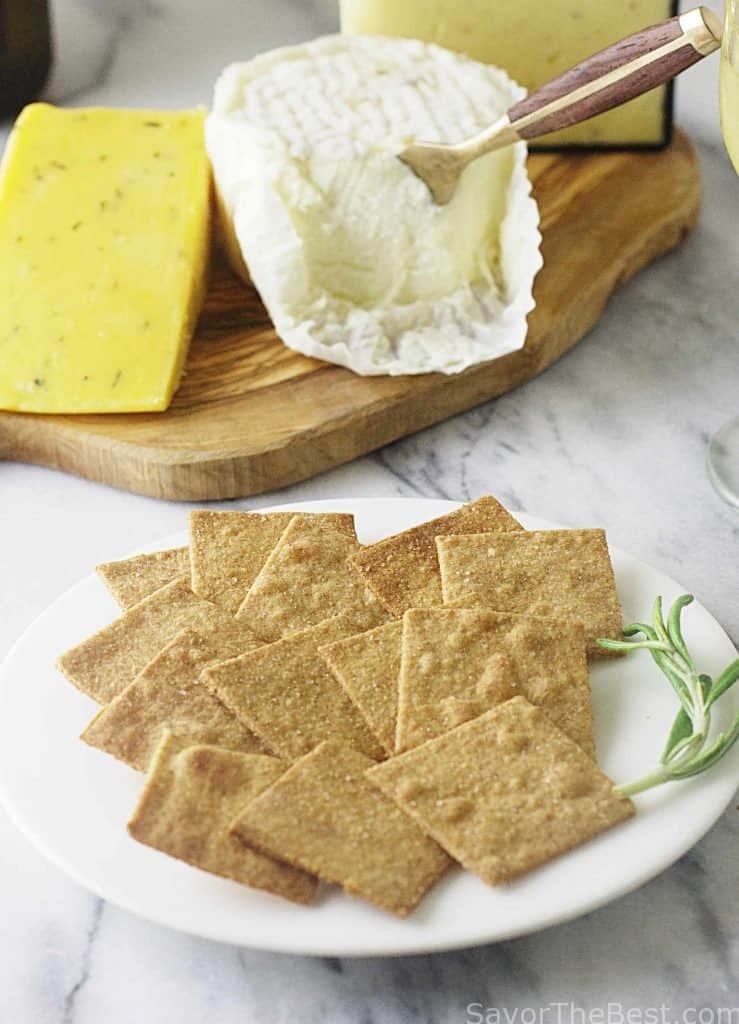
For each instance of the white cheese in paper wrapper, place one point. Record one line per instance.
(354, 261)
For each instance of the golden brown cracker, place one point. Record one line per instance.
(559, 574)
(307, 579)
(458, 663)
(168, 694)
(130, 580)
(505, 792)
(229, 549)
(324, 816)
(286, 693)
(403, 570)
(367, 666)
(191, 796)
(109, 660)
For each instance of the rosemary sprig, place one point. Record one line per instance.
(687, 751)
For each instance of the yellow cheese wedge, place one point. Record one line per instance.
(103, 246)
(533, 40)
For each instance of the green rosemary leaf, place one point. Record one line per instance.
(677, 682)
(724, 682)
(640, 627)
(659, 623)
(626, 645)
(682, 727)
(674, 628)
(718, 749)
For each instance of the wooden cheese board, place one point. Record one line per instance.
(251, 415)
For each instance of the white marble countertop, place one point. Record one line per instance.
(614, 434)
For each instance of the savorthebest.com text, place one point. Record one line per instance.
(611, 1013)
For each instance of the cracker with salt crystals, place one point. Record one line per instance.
(307, 579)
(403, 570)
(167, 694)
(130, 580)
(110, 659)
(559, 574)
(191, 796)
(228, 549)
(458, 663)
(286, 694)
(367, 666)
(324, 816)
(505, 792)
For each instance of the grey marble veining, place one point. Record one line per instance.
(615, 434)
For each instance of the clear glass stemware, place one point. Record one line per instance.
(723, 451)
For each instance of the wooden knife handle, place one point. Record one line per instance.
(619, 73)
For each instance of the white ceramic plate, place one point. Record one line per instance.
(73, 802)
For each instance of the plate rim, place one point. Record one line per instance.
(321, 947)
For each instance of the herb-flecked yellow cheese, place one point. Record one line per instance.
(103, 247)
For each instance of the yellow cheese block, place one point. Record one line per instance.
(103, 244)
(534, 40)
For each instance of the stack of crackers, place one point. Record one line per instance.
(309, 709)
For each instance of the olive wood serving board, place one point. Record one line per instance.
(251, 415)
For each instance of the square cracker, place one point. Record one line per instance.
(458, 663)
(558, 574)
(130, 580)
(367, 666)
(190, 797)
(286, 694)
(167, 694)
(403, 570)
(228, 549)
(307, 579)
(108, 661)
(505, 792)
(325, 817)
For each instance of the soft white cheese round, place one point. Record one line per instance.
(354, 261)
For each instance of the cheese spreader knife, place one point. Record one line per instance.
(609, 78)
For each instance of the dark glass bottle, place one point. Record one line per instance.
(25, 52)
